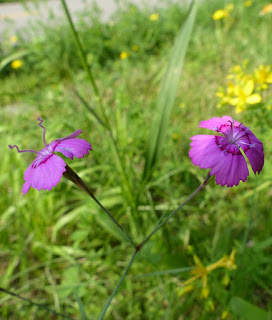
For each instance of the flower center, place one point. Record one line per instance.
(234, 138)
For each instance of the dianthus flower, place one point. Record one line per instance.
(47, 169)
(222, 153)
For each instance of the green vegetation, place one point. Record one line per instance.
(57, 247)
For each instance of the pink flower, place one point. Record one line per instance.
(222, 153)
(47, 169)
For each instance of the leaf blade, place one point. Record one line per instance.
(167, 93)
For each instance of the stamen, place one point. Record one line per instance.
(40, 124)
(251, 145)
(15, 146)
(231, 127)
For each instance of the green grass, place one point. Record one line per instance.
(54, 247)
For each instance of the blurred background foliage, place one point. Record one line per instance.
(56, 245)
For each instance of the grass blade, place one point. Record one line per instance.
(246, 310)
(12, 57)
(81, 308)
(167, 94)
(90, 109)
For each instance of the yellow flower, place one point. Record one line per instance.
(123, 55)
(266, 9)
(154, 16)
(244, 95)
(248, 3)
(13, 39)
(262, 76)
(201, 272)
(16, 64)
(229, 262)
(220, 14)
(225, 98)
(135, 47)
(185, 290)
(269, 107)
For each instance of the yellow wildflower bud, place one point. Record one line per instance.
(205, 293)
(210, 305)
(185, 290)
(224, 314)
(226, 280)
(230, 263)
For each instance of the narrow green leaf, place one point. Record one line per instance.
(109, 226)
(167, 93)
(90, 109)
(81, 308)
(246, 310)
(12, 57)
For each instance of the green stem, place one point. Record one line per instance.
(98, 97)
(140, 246)
(71, 175)
(80, 49)
(84, 61)
(117, 287)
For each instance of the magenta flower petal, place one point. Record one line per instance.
(72, 135)
(222, 154)
(45, 175)
(230, 170)
(215, 123)
(73, 148)
(47, 169)
(204, 151)
(255, 155)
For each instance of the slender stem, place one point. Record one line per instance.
(117, 287)
(139, 247)
(84, 61)
(80, 49)
(39, 305)
(71, 175)
(91, 110)
(98, 97)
